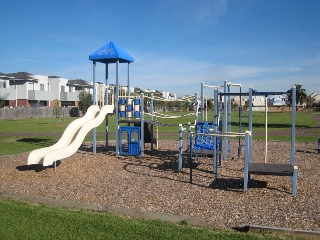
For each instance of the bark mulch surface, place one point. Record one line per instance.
(153, 184)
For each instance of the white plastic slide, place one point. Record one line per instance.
(67, 151)
(36, 156)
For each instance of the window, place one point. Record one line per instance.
(31, 86)
(41, 87)
(62, 88)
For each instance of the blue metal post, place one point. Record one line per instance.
(117, 108)
(250, 116)
(94, 144)
(189, 134)
(142, 123)
(196, 106)
(180, 148)
(107, 103)
(215, 127)
(202, 102)
(225, 119)
(151, 112)
(128, 81)
(229, 122)
(246, 161)
(293, 125)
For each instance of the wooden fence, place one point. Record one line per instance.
(46, 112)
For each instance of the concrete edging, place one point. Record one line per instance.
(151, 215)
(109, 209)
(285, 231)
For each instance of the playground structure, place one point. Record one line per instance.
(249, 167)
(72, 137)
(208, 135)
(142, 131)
(75, 133)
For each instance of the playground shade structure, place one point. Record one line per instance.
(72, 137)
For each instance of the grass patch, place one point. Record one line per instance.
(16, 144)
(276, 121)
(24, 220)
(287, 139)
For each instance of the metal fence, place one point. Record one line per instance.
(47, 112)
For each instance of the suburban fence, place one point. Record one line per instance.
(46, 112)
(49, 112)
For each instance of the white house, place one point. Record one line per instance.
(315, 97)
(258, 101)
(277, 101)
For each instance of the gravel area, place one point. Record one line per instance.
(153, 184)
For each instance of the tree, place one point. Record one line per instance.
(301, 95)
(3, 99)
(85, 101)
(57, 110)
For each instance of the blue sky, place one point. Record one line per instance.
(267, 44)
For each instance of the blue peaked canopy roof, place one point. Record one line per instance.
(110, 53)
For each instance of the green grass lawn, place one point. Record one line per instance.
(276, 121)
(17, 144)
(24, 220)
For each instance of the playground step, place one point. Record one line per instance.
(271, 169)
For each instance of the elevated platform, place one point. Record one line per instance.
(275, 170)
(271, 169)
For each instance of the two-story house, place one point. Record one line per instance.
(15, 88)
(277, 101)
(23, 89)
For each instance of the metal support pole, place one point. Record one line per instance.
(229, 122)
(202, 102)
(225, 119)
(293, 125)
(107, 103)
(250, 117)
(94, 134)
(190, 159)
(128, 81)
(189, 134)
(180, 148)
(196, 107)
(142, 123)
(152, 118)
(247, 160)
(117, 108)
(215, 127)
(266, 129)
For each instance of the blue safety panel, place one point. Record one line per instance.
(133, 144)
(111, 53)
(318, 142)
(204, 142)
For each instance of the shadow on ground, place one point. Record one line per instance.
(36, 167)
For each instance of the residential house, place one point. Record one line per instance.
(23, 89)
(277, 101)
(258, 101)
(236, 100)
(315, 98)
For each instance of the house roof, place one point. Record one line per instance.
(20, 76)
(79, 82)
(111, 53)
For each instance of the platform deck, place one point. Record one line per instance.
(271, 169)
